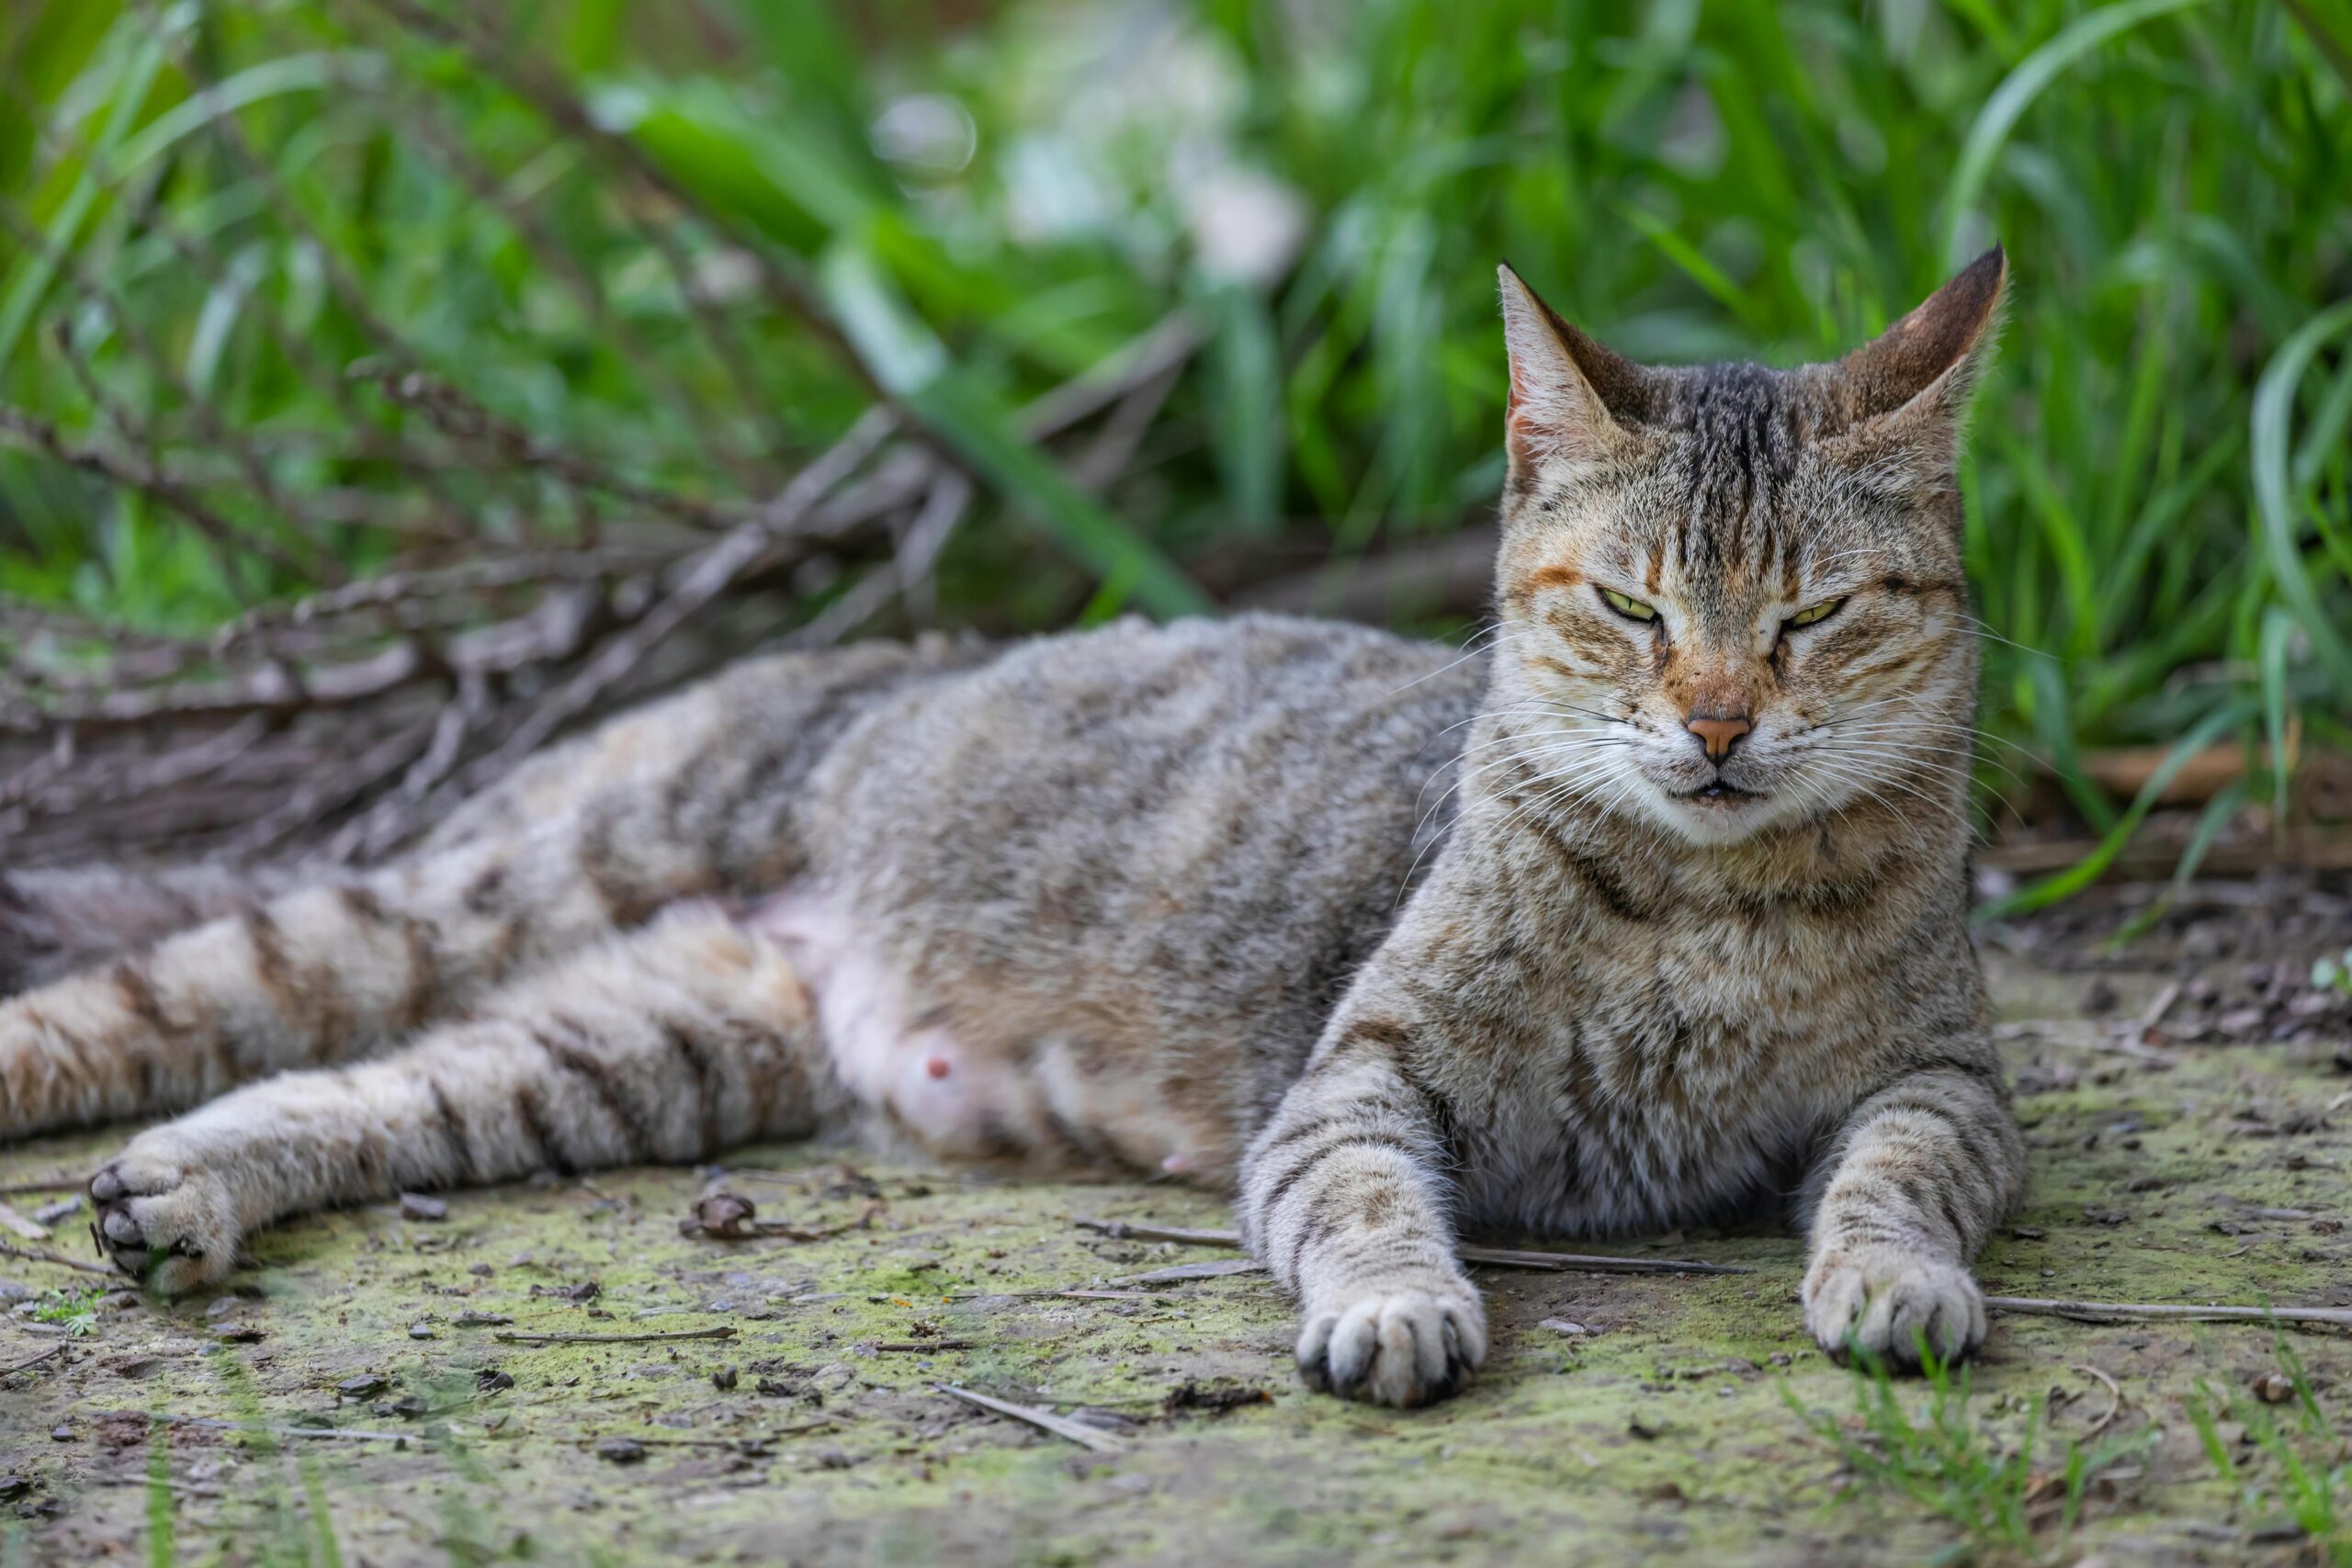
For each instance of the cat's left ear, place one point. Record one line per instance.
(1907, 390)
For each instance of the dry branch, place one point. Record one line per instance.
(513, 1338)
(31, 1361)
(2150, 1312)
(44, 1254)
(338, 726)
(1078, 1432)
(1493, 1256)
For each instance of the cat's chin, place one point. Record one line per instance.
(1717, 814)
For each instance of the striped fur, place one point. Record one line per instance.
(1393, 943)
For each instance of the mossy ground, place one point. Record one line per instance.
(1665, 1433)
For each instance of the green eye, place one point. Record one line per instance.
(1626, 604)
(1815, 613)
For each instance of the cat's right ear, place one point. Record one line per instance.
(1560, 384)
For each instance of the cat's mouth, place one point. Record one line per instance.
(1719, 793)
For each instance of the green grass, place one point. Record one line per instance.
(75, 1308)
(2298, 1463)
(213, 210)
(2003, 1501)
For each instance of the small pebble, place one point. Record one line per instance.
(419, 1206)
(62, 1434)
(420, 1331)
(620, 1450)
(2272, 1389)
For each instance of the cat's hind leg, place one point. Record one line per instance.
(55, 922)
(663, 1045)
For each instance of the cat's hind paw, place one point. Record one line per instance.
(1402, 1349)
(175, 1229)
(1883, 1301)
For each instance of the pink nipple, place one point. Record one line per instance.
(937, 1066)
(1177, 1164)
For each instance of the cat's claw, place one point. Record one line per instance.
(174, 1229)
(1403, 1349)
(1882, 1300)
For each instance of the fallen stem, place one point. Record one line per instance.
(1493, 1256)
(745, 1442)
(721, 1332)
(44, 1254)
(2115, 1398)
(1078, 1432)
(2143, 1312)
(213, 1424)
(30, 1188)
(49, 1355)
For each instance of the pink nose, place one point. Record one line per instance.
(1718, 732)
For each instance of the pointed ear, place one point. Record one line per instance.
(1562, 384)
(1906, 393)
(1908, 388)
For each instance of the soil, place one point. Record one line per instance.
(2198, 1156)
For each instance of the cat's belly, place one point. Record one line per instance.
(994, 1091)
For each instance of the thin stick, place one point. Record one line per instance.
(213, 1424)
(2155, 1013)
(1593, 1263)
(1078, 1432)
(748, 1441)
(361, 1434)
(2115, 1396)
(915, 1347)
(50, 1354)
(29, 1188)
(722, 1332)
(1184, 1271)
(2143, 1312)
(44, 1254)
(22, 1225)
(1495, 1257)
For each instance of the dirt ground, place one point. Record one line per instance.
(786, 1403)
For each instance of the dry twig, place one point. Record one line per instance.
(2147, 1311)
(44, 1254)
(657, 1337)
(2115, 1399)
(1078, 1432)
(1493, 1257)
(29, 1362)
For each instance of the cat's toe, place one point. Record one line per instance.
(1403, 1349)
(175, 1230)
(1889, 1304)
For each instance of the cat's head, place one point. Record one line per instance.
(1732, 597)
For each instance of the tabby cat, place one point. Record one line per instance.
(1651, 913)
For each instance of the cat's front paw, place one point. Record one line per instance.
(173, 1226)
(1884, 1299)
(1401, 1348)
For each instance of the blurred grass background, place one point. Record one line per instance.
(686, 244)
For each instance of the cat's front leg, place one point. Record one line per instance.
(1345, 1198)
(1910, 1189)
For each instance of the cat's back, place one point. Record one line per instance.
(1195, 758)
